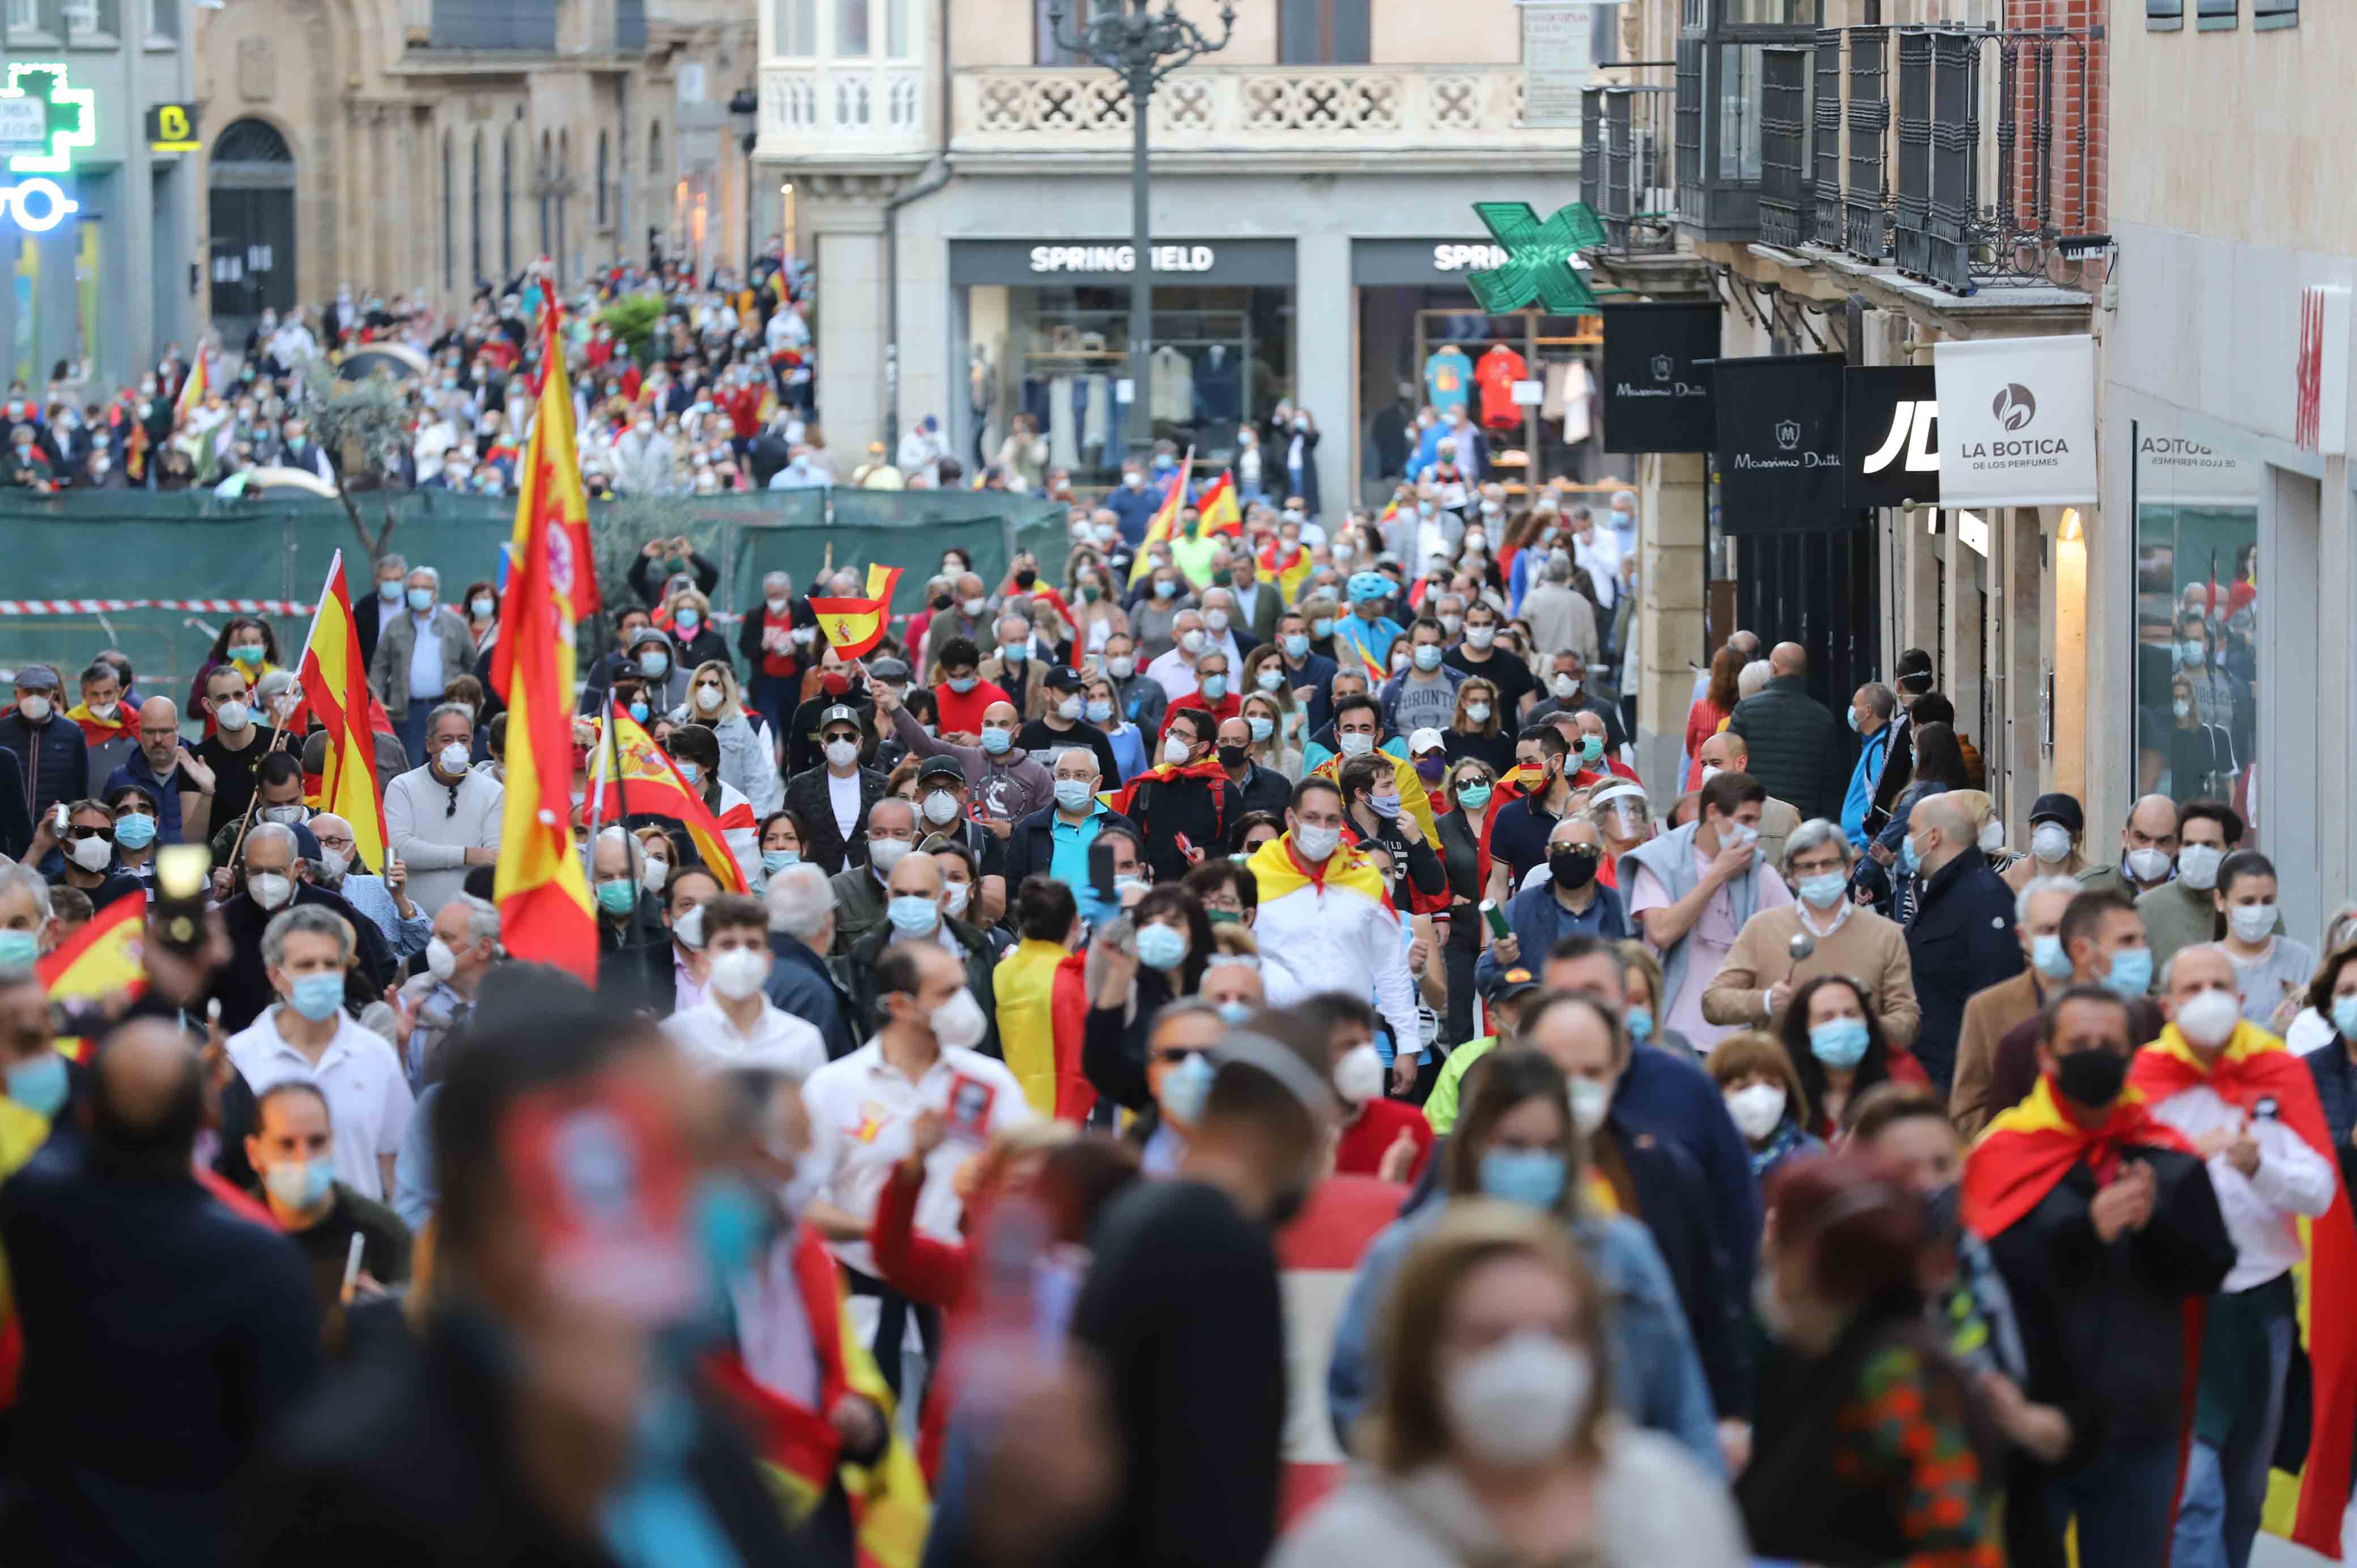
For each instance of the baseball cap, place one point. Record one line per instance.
(1505, 985)
(1062, 678)
(2059, 808)
(841, 713)
(1424, 740)
(941, 767)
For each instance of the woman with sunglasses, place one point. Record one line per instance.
(1461, 807)
(83, 855)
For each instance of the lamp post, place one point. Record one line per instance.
(745, 118)
(1129, 38)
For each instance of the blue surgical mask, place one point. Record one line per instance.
(1233, 1013)
(1261, 728)
(1852, 716)
(1186, 1087)
(1534, 1177)
(421, 600)
(316, 996)
(996, 741)
(39, 1085)
(2344, 1018)
(656, 665)
(961, 684)
(1838, 1042)
(1591, 748)
(639, 711)
(1074, 794)
(1164, 589)
(912, 915)
(1639, 1022)
(1161, 946)
(773, 861)
(300, 1184)
(1099, 712)
(1427, 656)
(1322, 626)
(691, 772)
(618, 896)
(2046, 955)
(1215, 687)
(1297, 645)
(1910, 859)
(1825, 890)
(731, 1226)
(2131, 972)
(1384, 806)
(135, 832)
(1473, 797)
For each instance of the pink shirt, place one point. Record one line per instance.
(1707, 941)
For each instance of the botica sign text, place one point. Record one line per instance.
(1120, 258)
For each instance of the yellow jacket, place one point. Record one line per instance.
(1025, 984)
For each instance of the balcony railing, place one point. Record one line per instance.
(847, 109)
(1626, 130)
(1409, 109)
(1958, 156)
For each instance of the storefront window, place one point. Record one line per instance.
(2197, 595)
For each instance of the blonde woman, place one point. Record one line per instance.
(748, 759)
(1492, 1439)
(687, 616)
(1477, 730)
(1264, 713)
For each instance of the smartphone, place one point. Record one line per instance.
(1101, 875)
(183, 881)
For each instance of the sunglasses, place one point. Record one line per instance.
(75, 834)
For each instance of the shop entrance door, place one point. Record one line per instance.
(251, 219)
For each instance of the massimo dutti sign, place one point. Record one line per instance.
(1780, 444)
(1657, 377)
(2016, 421)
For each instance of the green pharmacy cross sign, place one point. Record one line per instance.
(43, 122)
(1542, 261)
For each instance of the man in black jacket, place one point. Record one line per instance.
(634, 958)
(1192, 800)
(802, 979)
(919, 877)
(370, 611)
(1258, 789)
(264, 885)
(776, 641)
(2100, 1254)
(1066, 827)
(48, 746)
(819, 796)
(1798, 747)
(1961, 940)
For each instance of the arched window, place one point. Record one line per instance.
(475, 215)
(449, 212)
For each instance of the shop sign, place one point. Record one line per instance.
(1460, 258)
(1543, 260)
(68, 119)
(1559, 56)
(1780, 443)
(2183, 472)
(1122, 258)
(2018, 425)
(172, 128)
(1657, 376)
(36, 204)
(1891, 432)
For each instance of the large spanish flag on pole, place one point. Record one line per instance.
(542, 890)
(632, 772)
(336, 693)
(1165, 526)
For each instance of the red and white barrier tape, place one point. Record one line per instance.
(101, 606)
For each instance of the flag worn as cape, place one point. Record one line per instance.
(2255, 1066)
(1165, 526)
(96, 731)
(1277, 871)
(1216, 510)
(1413, 797)
(1288, 573)
(798, 1448)
(104, 956)
(542, 887)
(336, 693)
(856, 626)
(2024, 1151)
(1124, 799)
(648, 783)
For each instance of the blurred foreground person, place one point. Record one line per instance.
(164, 1332)
(540, 1414)
(1492, 1439)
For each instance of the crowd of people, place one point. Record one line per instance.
(1207, 1054)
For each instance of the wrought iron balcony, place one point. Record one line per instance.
(1958, 156)
(1625, 138)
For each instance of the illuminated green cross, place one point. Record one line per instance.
(1542, 261)
(71, 119)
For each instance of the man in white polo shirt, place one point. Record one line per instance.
(860, 1111)
(307, 1034)
(737, 1025)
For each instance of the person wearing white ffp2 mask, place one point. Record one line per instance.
(737, 1025)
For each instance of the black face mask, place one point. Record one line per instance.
(2092, 1077)
(1571, 868)
(1025, 579)
(942, 601)
(1232, 755)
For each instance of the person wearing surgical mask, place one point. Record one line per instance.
(136, 830)
(1186, 805)
(748, 760)
(462, 943)
(2252, 1113)
(52, 756)
(1835, 1039)
(1991, 1014)
(634, 965)
(685, 893)
(419, 654)
(2184, 911)
(1960, 938)
(1764, 1100)
(736, 1025)
(443, 819)
(292, 1151)
(832, 801)
(1324, 919)
(2055, 825)
(1378, 1136)
(1693, 890)
(2272, 970)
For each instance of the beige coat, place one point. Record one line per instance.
(1866, 947)
(1776, 821)
(1989, 1016)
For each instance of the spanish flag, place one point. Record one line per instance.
(192, 389)
(104, 956)
(646, 782)
(798, 1448)
(1414, 799)
(1217, 511)
(856, 626)
(542, 890)
(1209, 771)
(1165, 526)
(96, 731)
(2023, 1152)
(1289, 572)
(336, 693)
(2255, 1068)
(1277, 871)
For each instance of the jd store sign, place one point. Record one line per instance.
(1890, 424)
(1780, 443)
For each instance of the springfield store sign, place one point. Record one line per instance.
(1122, 258)
(2016, 421)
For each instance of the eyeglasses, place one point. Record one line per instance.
(77, 832)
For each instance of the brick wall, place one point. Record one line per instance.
(2079, 97)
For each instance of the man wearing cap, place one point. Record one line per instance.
(1060, 726)
(49, 748)
(941, 799)
(830, 801)
(1504, 991)
(1368, 632)
(2055, 824)
(1001, 779)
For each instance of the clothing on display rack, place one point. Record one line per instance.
(1173, 393)
(1500, 368)
(1447, 378)
(1218, 388)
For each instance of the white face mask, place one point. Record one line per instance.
(1515, 1404)
(1175, 751)
(2208, 1019)
(2197, 865)
(2148, 865)
(709, 698)
(1354, 744)
(842, 753)
(269, 890)
(2251, 922)
(1316, 844)
(1359, 1075)
(739, 972)
(453, 758)
(441, 961)
(1992, 837)
(91, 855)
(2050, 843)
(940, 808)
(957, 1024)
(1756, 1109)
(1070, 708)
